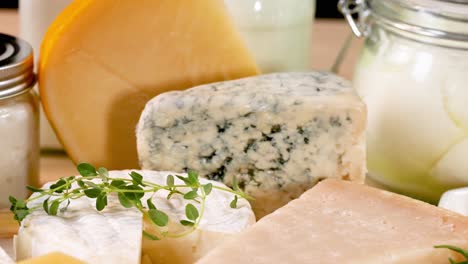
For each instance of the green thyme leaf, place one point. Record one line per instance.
(21, 214)
(234, 202)
(207, 188)
(45, 205)
(187, 223)
(235, 184)
(137, 178)
(103, 172)
(191, 212)
(191, 195)
(170, 181)
(133, 196)
(59, 186)
(192, 178)
(86, 169)
(92, 193)
(124, 201)
(117, 183)
(158, 217)
(12, 200)
(54, 207)
(150, 204)
(184, 179)
(150, 236)
(81, 184)
(101, 202)
(33, 189)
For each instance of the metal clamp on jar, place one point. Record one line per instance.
(19, 123)
(413, 75)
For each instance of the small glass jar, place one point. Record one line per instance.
(19, 120)
(413, 76)
(277, 32)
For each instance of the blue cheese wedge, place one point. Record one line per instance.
(114, 235)
(276, 134)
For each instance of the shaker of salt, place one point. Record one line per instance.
(19, 120)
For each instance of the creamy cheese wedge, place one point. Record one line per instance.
(53, 258)
(4, 258)
(345, 222)
(115, 235)
(277, 134)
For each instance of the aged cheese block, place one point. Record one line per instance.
(102, 60)
(53, 258)
(277, 134)
(344, 222)
(4, 258)
(115, 235)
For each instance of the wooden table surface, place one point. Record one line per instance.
(328, 37)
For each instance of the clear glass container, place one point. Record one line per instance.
(19, 120)
(277, 32)
(413, 76)
(35, 16)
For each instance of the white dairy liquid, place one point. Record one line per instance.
(18, 145)
(277, 32)
(417, 98)
(35, 18)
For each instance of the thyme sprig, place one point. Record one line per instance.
(461, 251)
(96, 184)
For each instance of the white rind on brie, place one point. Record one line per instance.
(115, 234)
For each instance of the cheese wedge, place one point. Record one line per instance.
(53, 258)
(115, 234)
(345, 222)
(102, 60)
(4, 258)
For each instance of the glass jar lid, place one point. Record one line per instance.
(446, 19)
(16, 66)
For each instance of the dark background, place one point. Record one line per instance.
(325, 8)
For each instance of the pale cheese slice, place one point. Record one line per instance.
(53, 258)
(4, 258)
(115, 234)
(344, 222)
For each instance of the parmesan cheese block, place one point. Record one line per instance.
(278, 134)
(53, 258)
(115, 234)
(344, 222)
(102, 60)
(4, 258)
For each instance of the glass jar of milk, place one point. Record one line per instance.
(277, 32)
(19, 120)
(413, 75)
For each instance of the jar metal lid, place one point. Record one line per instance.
(16, 66)
(447, 19)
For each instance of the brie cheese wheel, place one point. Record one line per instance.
(4, 258)
(115, 234)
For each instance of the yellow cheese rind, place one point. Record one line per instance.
(53, 258)
(102, 60)
(344, 222)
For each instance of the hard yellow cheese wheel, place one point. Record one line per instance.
(53, 258)
(102, 60)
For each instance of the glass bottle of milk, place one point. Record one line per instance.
(35, 18)
(277, 32)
